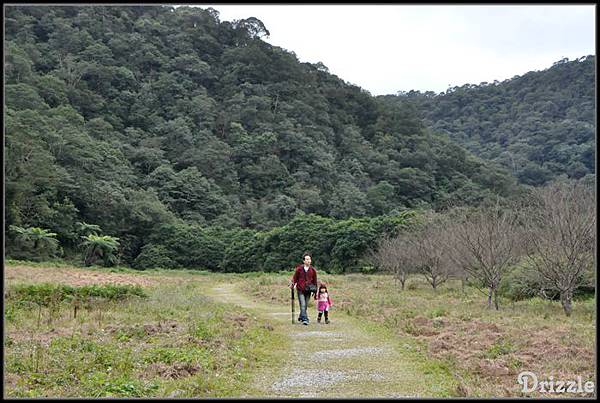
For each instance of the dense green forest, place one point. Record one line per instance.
(539, 126)
(160, 125)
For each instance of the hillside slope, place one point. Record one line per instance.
(131, 117)
(539, 125)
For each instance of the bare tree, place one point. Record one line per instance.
(561, 236)
(485, 243)
(391, 255)
(427, 254)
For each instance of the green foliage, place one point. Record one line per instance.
(100, 246)
(85, 229)
(333, 243)
(186, 245)
(34, 243)
(161, 124)
(537, 126)
(523, 283)
(160, 115)
(130, 354)
(154, 256)
(501, 347)
(45, 294)
(243, 251)
(437, 312)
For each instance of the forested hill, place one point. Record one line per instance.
(539, 125)
(128, 116)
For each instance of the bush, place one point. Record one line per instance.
(46, 294)
(412, 286)
(189, 246)
(523, 283)
(338, 245)
(243, 252)
(154, 256)
(368, 269)
(33, 243)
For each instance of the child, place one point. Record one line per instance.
(323, 302)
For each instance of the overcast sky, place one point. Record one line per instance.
(389, 48)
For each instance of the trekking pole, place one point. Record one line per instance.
(292, 289)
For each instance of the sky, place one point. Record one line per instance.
(390, 48)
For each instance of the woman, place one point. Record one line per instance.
(305, 281)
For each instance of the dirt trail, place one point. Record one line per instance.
(339, 359)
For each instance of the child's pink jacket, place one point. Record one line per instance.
(323, 301)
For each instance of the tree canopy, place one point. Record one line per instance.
(142, 118)
(539, 126)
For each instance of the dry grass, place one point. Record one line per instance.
(176, 343)
(485, 349)
(77, 277)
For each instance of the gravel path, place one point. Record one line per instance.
(347, 352)
(302, 380)
(333, 360)
(317, 333)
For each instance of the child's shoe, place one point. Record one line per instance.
(319, 320)
(327, 321)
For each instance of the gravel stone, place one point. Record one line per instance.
(348, 352)
(319, 379)
(318, 333)
(309, 379)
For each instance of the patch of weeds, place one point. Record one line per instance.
(103, 385)
(141, 332)
(47, 294)
(514, 363)
(465, 316)
(123, 336)
(10, 312)
(408, 314)
(451, 362)
(263, 280)
(167, 355)
(437, 367)
(500, 347)
(73, 344)
(251, 274)
(171, 355)
(392, 320)
(410, 328)
(437, 312)
(438, 322)
(204, 331)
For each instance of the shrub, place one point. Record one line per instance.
(523, 283)
(500, 347)
(45, 294)
(412, 286)
(437, 312)
(188, 246)
(34, 243)
(154, 256)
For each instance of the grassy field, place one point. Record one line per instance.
(179, 340)
(483, 349)
(175, 342)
